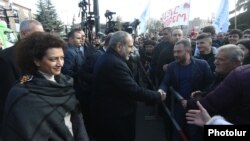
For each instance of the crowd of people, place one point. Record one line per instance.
(71, 90)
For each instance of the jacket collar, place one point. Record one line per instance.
(114, 52)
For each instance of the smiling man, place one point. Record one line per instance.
(206, 51)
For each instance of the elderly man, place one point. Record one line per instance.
(9, 72)
(228, 58)
(113, 103)
(230, 98)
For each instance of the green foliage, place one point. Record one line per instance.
(241, 4)
(242, 19)
(46, 14)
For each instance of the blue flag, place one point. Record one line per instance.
(144, 17)
(221, 22)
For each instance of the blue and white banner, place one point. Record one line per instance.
(221, 21)
(144, 18)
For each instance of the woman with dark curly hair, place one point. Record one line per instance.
(42, 105)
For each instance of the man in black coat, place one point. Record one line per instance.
(115, 92)
(9, 72)
(166, 45)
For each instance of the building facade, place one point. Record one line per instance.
(13, 13)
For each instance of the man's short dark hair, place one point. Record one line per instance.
(209, 29)
(236, 31)
(168, 29)
(71, 34)
(245, 42)
(203, 36)
(247, 31)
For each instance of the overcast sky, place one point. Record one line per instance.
(129, 9)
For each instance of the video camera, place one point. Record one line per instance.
(110, 25)
(82, 4)
(135, 23)
(90, 19)
(109, 14)
(130, 27)
(126, 26)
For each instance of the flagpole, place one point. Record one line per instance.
(235, 15)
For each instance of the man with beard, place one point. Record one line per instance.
(186, 74)
(166, 55)
(115, 92)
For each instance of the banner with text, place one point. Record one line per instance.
(177, 15)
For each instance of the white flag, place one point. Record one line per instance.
(221, 22)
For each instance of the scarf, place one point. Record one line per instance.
(36, 107)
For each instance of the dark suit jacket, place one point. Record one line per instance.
(114, 98)
(72, 61)
(9, 74)
(87, 68)
(201, 76)
(162, 54)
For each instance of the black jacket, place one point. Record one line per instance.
(9, 74)
(35, 111)
(201, 76)
(115, 93)
(231, 97)
(163, 54)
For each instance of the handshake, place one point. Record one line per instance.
(163, 94)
